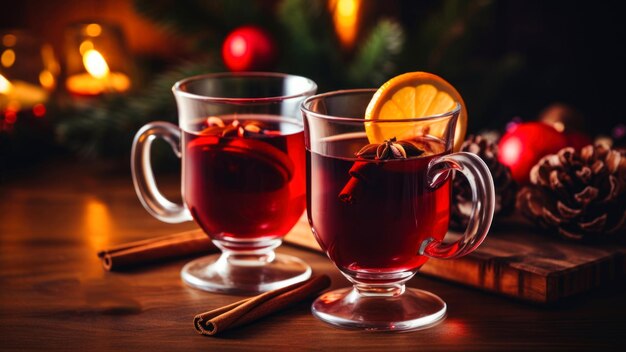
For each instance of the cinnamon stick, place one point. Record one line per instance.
(134, 254)
(245, 311)
(361, 173)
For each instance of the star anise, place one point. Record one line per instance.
(390, 149)
(363, 174)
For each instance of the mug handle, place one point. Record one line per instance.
(143, 177)
(483, 200)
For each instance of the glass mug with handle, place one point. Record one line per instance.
(379, 218)
(240, 138)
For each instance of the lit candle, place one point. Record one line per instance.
(98, 79)
(20, 94)
(346, 20)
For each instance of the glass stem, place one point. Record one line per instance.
(246, 253)
(380, 290)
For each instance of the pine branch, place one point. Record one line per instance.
(309, 46)
(298, 18)
(374, 62)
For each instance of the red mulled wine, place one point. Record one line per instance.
(243, 179)
(373, 215)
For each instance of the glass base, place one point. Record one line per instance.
(406, 310)
(236, 275)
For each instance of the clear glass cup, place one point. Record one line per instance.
(240, 138)
(380, 220)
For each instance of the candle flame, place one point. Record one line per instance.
(95, 64)
(5, 85)
(346, 20)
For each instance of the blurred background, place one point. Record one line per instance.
(78, 78)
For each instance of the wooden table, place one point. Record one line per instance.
(55, 295)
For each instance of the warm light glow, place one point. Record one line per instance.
(5, 85)
(97, 223)
(86, 84)
(46, 78)
(456, 329)
(50, 62)
(346, 19)
(9, 40)
(20, 94)
(85, 46)
(95, 64)
(93, 30)
(8, 58)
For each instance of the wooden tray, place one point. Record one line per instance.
(515, 262)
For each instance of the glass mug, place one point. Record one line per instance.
(379, 220)
(240, 138)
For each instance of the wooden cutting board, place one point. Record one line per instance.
(516, 262)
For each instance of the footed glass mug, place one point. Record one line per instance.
(240, 138)
(381, 210)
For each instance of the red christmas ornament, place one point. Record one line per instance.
(249, 48)
(524, 144)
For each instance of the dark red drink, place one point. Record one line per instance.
(391, 211)
(245, 184)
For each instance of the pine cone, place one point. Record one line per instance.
(581, 195)
(505, 186)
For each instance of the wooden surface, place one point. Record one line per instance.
(515, 261)
(54, 294)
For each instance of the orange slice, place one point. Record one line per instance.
(413, 95)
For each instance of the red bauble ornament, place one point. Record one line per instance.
(524, 144)
(249, 48)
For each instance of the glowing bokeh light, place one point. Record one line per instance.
(7, 58)
(39, 110)
(46, 79)
(93, 29)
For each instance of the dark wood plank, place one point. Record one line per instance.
(517, 262)
(54, 294)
